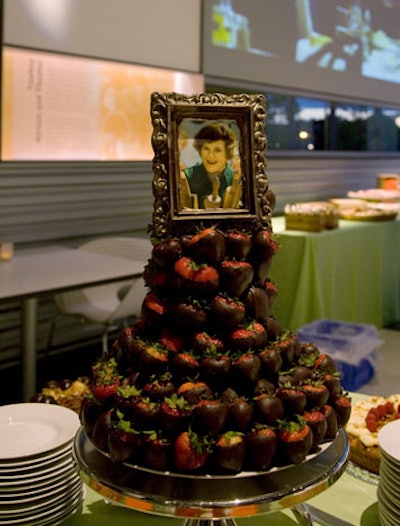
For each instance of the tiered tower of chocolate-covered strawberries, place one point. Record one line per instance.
(207, 380)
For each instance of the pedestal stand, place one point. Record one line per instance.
(212, 500)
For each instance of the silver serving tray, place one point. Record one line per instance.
(210, 496)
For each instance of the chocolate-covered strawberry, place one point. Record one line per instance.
(230, 452)
(172, 341)
(274, 328)
(246, 371)
(145, 413)
(191, 451)
(250, 336)
(263, 249)
(271, 361)
(293, 399)
(120, 348)
(204, 343)
(342, 407)
(194, 391)
(166, 252)
(236, 276)
(331, 420)
(189, 315)
(229, 395)
(295, 440)
(285, 345)
(101, 429)
(257, 305)
(124, 442)
(184, 365)
(241, 413)
(89, 413)
(317, 394)
(157, 278)
(332, 383)
(309, 352)
(238, 245)
(106, 380)
(125, 398)
(196, 278)
(300, 374)
(158, 387)
(269, 408)
(324, 362)
(226, 312)
(215, 369)
(208, 245)
(316, 420)
(264, 385)
(128, 347)
(261, 447)
(156, 450)
(209, 416)
(271, 291)
(154, 359)
(154, 311)
(174, 413)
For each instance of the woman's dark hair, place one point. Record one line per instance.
(216, 132)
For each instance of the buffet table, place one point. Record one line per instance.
(351, 273)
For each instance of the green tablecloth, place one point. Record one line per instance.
(351, 274)
(349, 498)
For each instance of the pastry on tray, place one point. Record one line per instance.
(367, 418)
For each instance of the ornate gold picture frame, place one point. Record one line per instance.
(194, 139)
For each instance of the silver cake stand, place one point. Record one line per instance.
(206, 499)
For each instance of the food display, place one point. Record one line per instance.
(67, 393)
(367, 418)
(311, 216)
(208, 380)
(366, 210)
(375, 194)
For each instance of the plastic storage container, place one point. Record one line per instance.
(352, 345)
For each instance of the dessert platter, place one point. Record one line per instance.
(206, 408)
(368, 417)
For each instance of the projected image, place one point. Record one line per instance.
(357, 35)
(338, 47)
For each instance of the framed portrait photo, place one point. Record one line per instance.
(209, 162)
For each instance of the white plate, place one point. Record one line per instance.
(35, 491)
(31, 428)
(34, 473)
(50, 516)
(46, 501)
(44, 480)
(36, 462)
(386, 472)
(389, 439)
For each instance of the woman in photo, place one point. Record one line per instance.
(215, 182)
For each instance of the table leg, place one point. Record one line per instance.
(28, 348)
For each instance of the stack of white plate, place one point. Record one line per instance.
(389, 474)
(39, 484)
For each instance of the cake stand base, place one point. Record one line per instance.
(212, 500)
